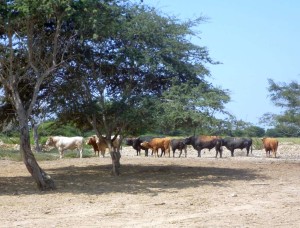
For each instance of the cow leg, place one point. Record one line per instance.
(146, 152)
(155, 151)
(217, 152)
(103, 152)
(162, 152)
(79, 152)
(180, 153)
(232, 152)
(274, 153)
(199, 153)
(61, 153)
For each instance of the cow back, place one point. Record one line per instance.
(235, 142)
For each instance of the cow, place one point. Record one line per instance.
(136, 143)
(158, 143)
(237, 143)
(101, 144)
(270, 144)
(92, 141)
(202, 142)
(178, 144)
(64, 143)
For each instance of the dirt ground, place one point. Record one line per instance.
(242, 191)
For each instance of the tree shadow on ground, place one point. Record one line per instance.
(134, 179)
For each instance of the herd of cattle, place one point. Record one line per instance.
(164, 144)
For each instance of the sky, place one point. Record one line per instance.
(253, 39)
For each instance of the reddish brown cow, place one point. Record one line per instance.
(101, 145)
(93, 142)
(270, 144)
(158, 143)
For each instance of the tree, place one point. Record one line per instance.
(286, 96)
(191, 105)
(34, 39)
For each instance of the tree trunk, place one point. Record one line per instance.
(115, 157)
(42, 179)
(36, 137)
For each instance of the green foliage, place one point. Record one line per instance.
(55, 128)
(190, 105)
(257, 144)
(123, 64)
(254, 131)
(13, 155)
(12, 138)
(286, 96)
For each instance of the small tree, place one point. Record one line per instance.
(191, 105)
(286, 96)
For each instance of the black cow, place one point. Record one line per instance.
(237, 143)
(136, 144)
(201, 142)
(178, 144)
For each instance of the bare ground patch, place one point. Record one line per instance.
(241, 191)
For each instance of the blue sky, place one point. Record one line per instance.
(254, 39)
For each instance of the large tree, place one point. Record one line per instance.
(123, 67)
(287, 97)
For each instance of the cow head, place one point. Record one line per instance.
(91, 140)
(129, 141)
(145, 145)
(49, 141)
(188, 141)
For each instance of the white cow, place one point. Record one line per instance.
(64, 143)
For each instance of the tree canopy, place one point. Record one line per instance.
(286, 96)
(122, 69)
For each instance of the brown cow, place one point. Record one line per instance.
(101, 145)
(270, 144)
(158, 143)
(93, 142)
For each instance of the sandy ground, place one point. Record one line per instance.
(242, 191)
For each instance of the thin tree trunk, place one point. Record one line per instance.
(115, 157)
(36, 137)
(42, 179)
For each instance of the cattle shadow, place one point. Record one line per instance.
(134, 179)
